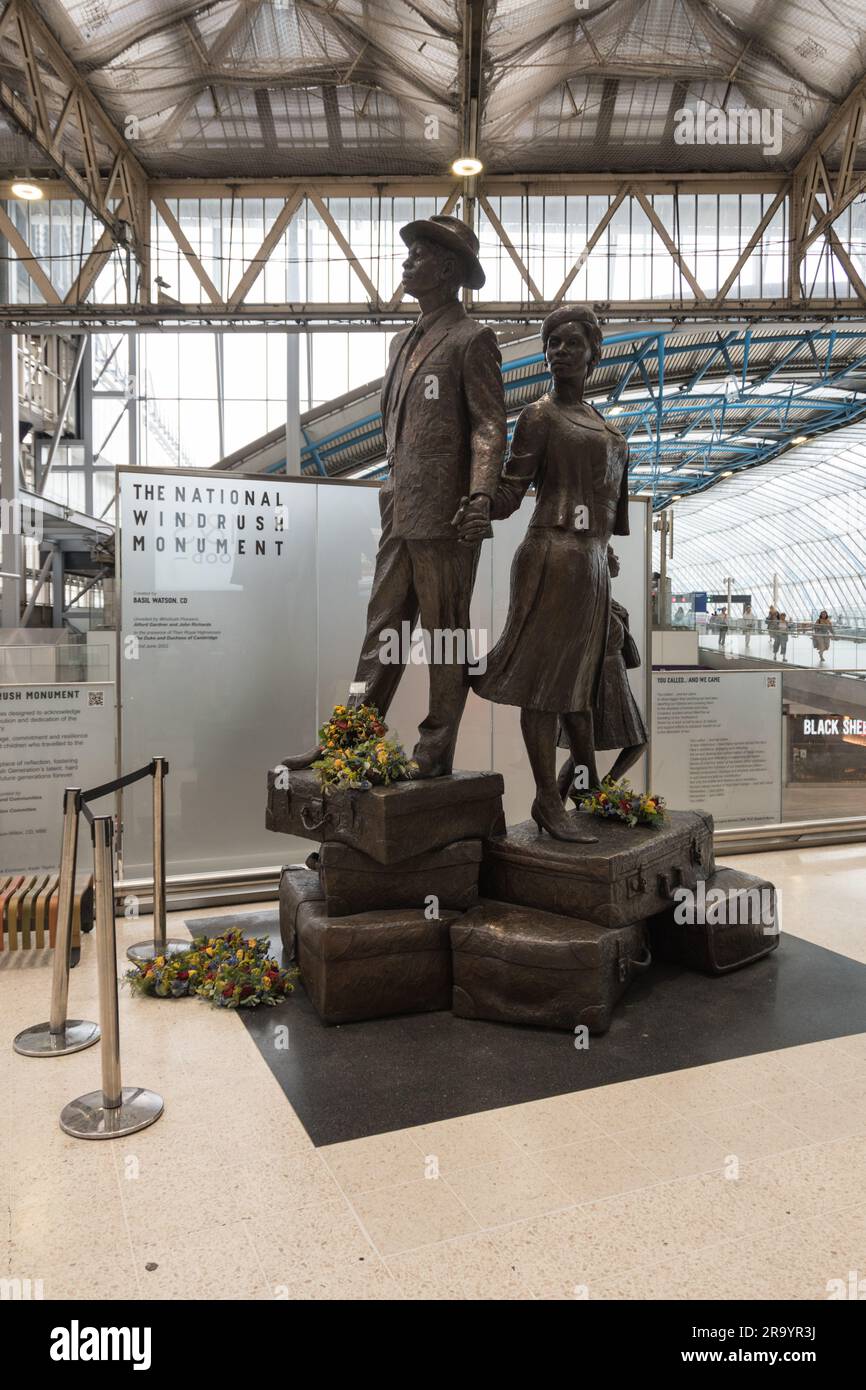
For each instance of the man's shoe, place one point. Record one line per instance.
(429, 765)
(296, 762)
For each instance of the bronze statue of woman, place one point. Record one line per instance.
(550, 656)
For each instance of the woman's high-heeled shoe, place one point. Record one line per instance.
(560, 827)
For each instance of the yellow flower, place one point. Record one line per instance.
(251, 941)
(160, 960)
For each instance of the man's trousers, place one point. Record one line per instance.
(431, 580)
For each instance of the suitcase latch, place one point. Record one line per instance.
(669, 881)
(636, 885)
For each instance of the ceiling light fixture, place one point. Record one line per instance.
(26, 189)
(616, 410)
(466, 166)
(800, 439)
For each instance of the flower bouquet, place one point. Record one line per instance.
(618, 800)
(231, 970)
(355, 752)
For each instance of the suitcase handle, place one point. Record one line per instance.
(646, 960)
(315, 808)
(642, 963)
(317, 814)
(696, 851)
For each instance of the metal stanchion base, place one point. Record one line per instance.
(88, 1117)
(39, 1041)
(146, 950)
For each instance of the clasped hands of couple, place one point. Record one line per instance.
(472, 519)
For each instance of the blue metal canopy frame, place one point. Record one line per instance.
(694, 406)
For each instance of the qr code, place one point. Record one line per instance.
(771, 682)
(96, 697)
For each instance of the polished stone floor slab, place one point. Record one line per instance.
(361, 1079)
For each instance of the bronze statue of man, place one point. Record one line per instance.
(443, 412)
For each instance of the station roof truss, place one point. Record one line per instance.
(132, 107)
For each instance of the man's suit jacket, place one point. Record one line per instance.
(443, 410)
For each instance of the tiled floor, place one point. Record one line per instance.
(742, 1179)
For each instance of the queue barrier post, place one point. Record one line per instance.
(61, 1035)
(160, 945)
(115, 1110)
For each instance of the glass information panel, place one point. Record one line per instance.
(52, 736)
(243, 604)
(717, 744)
(217, 657)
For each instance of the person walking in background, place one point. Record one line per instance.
(772, 620)
(723, 626)
(748, 624)
(780, 637)
(821, 634)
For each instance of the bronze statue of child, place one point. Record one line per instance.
(616, 719)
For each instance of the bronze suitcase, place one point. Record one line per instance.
(298, 885)
(632, 872)
(353, 882)
(514, 965)
(372, 964)
(730, 921)
(387, 823)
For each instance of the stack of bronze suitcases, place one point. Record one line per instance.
(369, 923)
(386, 917)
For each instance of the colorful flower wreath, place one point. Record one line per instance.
(355, 752)
(619, 800)
(231, 970)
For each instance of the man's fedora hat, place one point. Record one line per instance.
(453, 234)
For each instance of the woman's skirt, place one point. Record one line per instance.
(551, 651)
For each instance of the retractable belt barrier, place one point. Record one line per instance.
(115, 1110)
